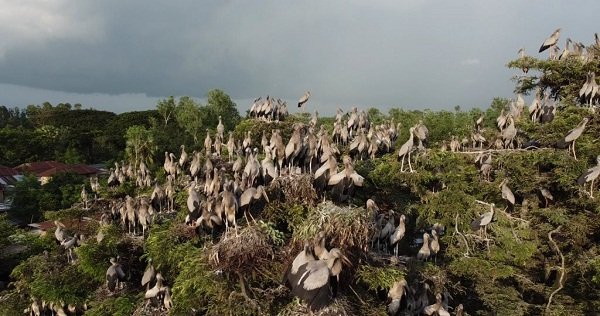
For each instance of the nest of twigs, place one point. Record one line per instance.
(244, 253)
(344, 227)
(293, 189)
(339, 307)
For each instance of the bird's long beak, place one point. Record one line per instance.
(346, 260)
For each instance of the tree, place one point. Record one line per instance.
(189, 116)
(220, 104)
(166, 109)
(139, 144)
(25, 207)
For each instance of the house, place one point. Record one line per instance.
(8, 178)
(45, 170)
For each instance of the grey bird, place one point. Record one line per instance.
(507, 193)
(480, 224)
(396, 292)
(149, 275)
(572, 136)
(590, 175)
(114, 274)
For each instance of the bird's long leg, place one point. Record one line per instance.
(574, 155)
(402, 164)
(409, 165)
(592, 189)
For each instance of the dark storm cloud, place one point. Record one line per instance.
(417, 54)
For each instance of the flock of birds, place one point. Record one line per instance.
(221, 190)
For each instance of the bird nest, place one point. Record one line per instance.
(341, 306)
(344, 227)
(293, 189)
(244, 253)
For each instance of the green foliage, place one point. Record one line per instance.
(13, 303)
(563, 78)
(62, 191)
(25, 205)
(190, 117)
(197, 287)
(92, 256)
(123, 305)
(52, 280)
(276, 236)
(220, 104)
(6, 230)
(139, 145)
(378, 278)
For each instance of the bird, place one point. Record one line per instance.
(434, 244)
(84, 197)
(69, 244)
(479, 122)
(483, 221)
(303, 257)
(114, 274)
(590, 175)
(406, 149)
(437, 308)
(230, 206)
(550, 41)
(319, 246)
(507, 193)
(314, 285)
(546, 195)
(149, 275)
(304, 99)
(60, 233)
(396, 292)
(572, 136)
(424, 252)
(220, 128)
(184, 157)
(252, 194)
(155, 291)
(398, 234)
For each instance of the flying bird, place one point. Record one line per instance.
(304, 99)
(550, 41)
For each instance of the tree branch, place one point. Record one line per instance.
(460, 234)
(561, 280)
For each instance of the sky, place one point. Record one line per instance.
(416, 54)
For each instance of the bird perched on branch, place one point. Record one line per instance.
(572, 136)
(480, 224)
(590, 175)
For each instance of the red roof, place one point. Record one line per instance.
(7, 171)
(49, 168)
(40, 166)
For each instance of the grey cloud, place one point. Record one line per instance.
(416, 54)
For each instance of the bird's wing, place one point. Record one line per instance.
(315, 276)
(148, 275)
(120, 272)
(111, 278)
(430, 310)
(357, 179)
(336, 178)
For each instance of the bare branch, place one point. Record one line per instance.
(561, 280)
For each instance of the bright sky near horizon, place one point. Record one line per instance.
(126, 55)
